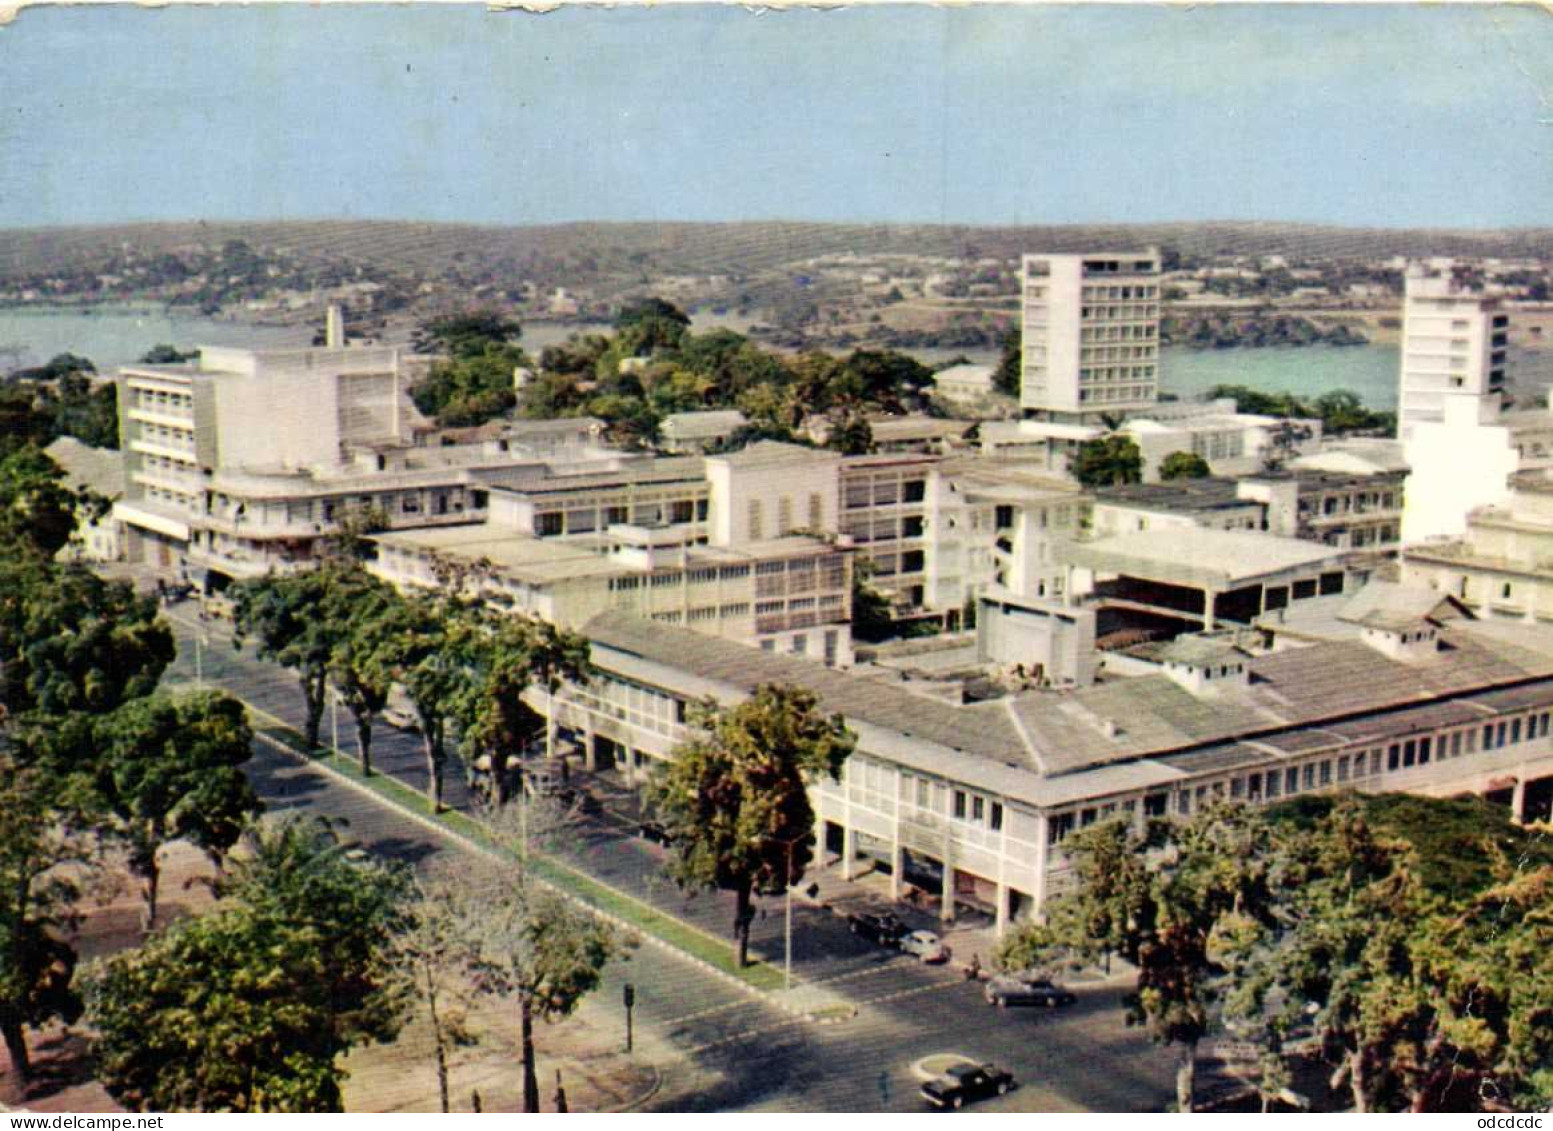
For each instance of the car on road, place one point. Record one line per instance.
(881, 928)
(925, 945)
(655, 832)
(402, 718)
(1004, 992)
(967, 1083)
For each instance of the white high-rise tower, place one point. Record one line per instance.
(1454, 341)
(1091, 334)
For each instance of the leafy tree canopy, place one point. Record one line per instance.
(1110, 461)
(1184, 465)
(735, 798)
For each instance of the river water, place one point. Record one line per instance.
(117, 335)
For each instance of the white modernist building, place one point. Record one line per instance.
(1455, 340)
(1090, 333)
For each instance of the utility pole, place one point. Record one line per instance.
(787, 927)
(630, 1001)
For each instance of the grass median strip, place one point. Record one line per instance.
(611, 901)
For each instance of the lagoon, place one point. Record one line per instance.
(117, 335)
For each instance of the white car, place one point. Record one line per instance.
(925, 945)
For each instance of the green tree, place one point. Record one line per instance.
(735, 797)
(508, 654)
(250, 1006)
(38, 511)
(872, 619)
(1008, 375)
(37, 912)
(1109, 461)
(470, 389)
(426, 650)
(850, 433)
(282, 613)
(171, 769)
(1414, 929)
(361, 611)
(1184, 465)
(72, 643)
(1173, 902)
(163, 354)
(466, 334)
(653, 324)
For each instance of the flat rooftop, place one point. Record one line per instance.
(1198, 557)
(1181, 495)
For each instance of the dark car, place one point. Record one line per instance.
(966, 1083)
(655, 832)
(884, 929)
(1004, 992)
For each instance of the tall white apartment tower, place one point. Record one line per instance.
(1454, 340)
(1091, 334)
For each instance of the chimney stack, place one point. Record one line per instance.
(334, 327)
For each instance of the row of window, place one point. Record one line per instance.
(784, 523)
(1133, 312)
(1289, 781)
(1114, 293)
(1127, 393)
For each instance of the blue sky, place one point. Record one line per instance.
(1390, 115)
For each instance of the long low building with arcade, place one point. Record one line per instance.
(970, 798)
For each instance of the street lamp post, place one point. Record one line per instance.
(787, 926)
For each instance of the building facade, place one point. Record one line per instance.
(1455, 339)
(1090, 334)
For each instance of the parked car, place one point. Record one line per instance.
(925, 945)
(655, 832)
(884, 929)
(1004, 992)
(402, 718)
(966, 1083)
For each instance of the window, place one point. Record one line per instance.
(1308, 776)
(1409, 752)
(799, 645)
(1424, 746)
(1326, 773)
(754, 520)
(1515, 731)
(1058, 826)
(959, 804)
(996, 821)
(784, 515)
(547, 524)
(1184, 803)
(1394, 757)
(1342, 768)
(978, 808)
(1291, 780)
(1274, 778)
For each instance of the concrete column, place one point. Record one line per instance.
(946, 897)
(897, 864)
(590, 752)
(1208, 598)
(848, 852)
(1038, 897)
(1518, 798)
(1002, 918)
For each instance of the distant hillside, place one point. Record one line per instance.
(586, 251)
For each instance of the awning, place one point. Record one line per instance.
(131, 514)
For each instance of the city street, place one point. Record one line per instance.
(730, 1049)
